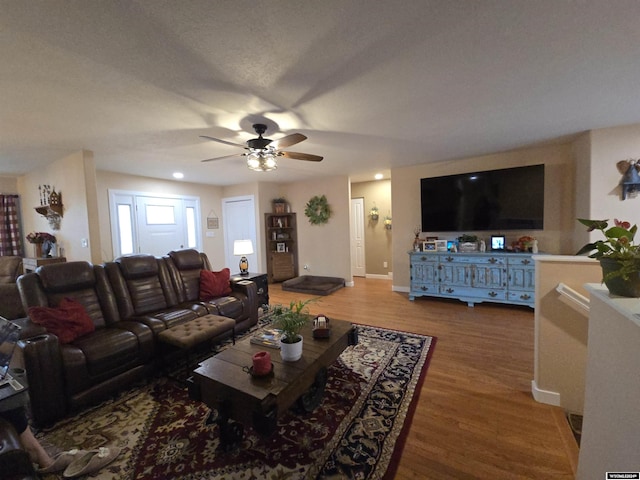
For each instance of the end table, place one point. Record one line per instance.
(260, 279)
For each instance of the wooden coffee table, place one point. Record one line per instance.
(223, 383)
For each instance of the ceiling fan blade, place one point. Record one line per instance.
(222, 158)
(223, 141)
(301, 156)
(287, 141)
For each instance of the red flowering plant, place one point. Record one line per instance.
(40, 237)
(618, 245)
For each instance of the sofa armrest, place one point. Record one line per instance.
(143, 332)
(28, 328)
(250, 289)
(42, 361)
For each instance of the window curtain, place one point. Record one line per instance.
(10, 237)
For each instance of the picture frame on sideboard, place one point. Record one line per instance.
(429, 246)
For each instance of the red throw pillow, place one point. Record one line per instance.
(214, 284)
(68, 321)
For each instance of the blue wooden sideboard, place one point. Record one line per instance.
(474, 277)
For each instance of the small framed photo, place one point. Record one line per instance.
(212, 223)
(429, 246)
(497, 242)
(281, 247)
(441, 245)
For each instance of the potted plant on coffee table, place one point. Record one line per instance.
(291, 320)
(618, 256)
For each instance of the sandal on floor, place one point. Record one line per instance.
(62, 460)
(91, 461)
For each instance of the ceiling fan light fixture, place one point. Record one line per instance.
(260, 161)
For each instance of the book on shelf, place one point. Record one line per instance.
(268, 337)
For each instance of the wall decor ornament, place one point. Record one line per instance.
(630, 181)
(318, 210)
(50, 205)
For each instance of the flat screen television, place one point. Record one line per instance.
(497, 200)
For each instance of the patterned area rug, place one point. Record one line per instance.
(357, 432)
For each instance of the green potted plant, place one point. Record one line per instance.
(290, 320)
(618, 256)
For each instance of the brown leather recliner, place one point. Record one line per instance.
(87, 370)
(144, 293)
(10, 304)
(241, 304)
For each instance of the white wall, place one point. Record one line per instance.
(558, 216)
(210, 199)
(609, 146)
(69, 177)
(325, 248)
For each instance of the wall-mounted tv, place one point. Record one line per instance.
(497, 200)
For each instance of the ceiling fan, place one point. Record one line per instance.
(262, 152)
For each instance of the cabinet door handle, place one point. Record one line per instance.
(526, 262)
(449, 290)
(525, 297)
(493, 260)
(493, 294)
(449, 259)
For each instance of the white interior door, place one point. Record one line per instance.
(358, 268)
(160, 222)
(239, 220)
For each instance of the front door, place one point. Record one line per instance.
(161, 224)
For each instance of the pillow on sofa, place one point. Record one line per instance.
(68, 321)
(214, 284)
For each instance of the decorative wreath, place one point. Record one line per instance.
(318, 210)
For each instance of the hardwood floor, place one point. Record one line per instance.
(476, 417)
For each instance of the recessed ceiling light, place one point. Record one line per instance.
(378, 176)
(178, 175)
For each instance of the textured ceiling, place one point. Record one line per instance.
(373, 84)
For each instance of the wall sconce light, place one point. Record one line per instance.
(630, 182)
(374, 213)
(243, 247)
(387, 222)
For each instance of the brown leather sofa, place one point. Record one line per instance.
(10, 304)
(144, 293)
(241, 304)
(67, 376)
(130, 300)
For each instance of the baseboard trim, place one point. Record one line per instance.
(389, 276)
(395, 288)
(544, 396)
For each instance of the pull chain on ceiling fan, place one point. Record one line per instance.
(262, 152)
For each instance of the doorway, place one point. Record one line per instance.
(239, 219)
(151, 224)
(358, 267)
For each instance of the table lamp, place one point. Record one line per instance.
(243, 247)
